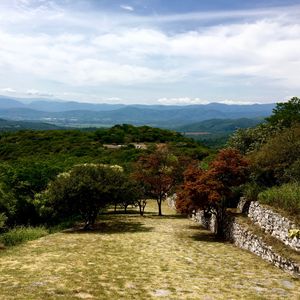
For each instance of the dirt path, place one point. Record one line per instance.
(139, 258)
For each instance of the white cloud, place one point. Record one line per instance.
(36, 93)
(109, 51)
(133, 56)
(182, 101)
(127, 7)
(8, 90)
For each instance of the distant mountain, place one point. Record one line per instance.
(220, 125)
(7, 103)
(86, 114)
(58, 106)
(6, 125)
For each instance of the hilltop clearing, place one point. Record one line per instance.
(132, 257)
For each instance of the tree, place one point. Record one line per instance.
(209, 190)
(156, 173)
(278, 160)
(84, 190)
(286, 113)
(251, 139)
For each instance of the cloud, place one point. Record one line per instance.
(127, 7)
(87, 50)
(135, 56)
(36, 93)
(8, 90)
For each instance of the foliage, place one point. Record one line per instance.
(125, 133)
(286, 113)
(156, 174)
(209, 190)
(252, 139)
(84, 191)
(19, 183)
(3, 219)
(276, 161)
(286, 197)
(30, 159)
(22, 234)
(251, 190)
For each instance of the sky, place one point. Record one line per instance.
(151, 51)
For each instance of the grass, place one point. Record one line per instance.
(19, 235)
(133, 257)
(285, 197)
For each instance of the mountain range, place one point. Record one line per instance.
(73, 113)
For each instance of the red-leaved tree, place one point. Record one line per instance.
(157, 172)
(210, 189)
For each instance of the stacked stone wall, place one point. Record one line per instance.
(245, 239)
(274, 224)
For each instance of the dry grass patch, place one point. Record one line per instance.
(133, 257)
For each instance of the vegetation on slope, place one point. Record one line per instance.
(273, 149)
(286, 196)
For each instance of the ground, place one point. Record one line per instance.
(133, 257)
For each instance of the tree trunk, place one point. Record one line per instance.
(141, 209)
(159, 206)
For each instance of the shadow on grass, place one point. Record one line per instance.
(129, 212)
(172, 217)
(111, 227)
(204, 235)
(208, 237)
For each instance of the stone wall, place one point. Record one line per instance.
(208, 222)
(274, 224)
(244, 239)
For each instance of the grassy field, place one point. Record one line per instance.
(133, 257)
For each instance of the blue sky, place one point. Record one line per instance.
(150, 51)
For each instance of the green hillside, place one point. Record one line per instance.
(8, 125)
(220, 125)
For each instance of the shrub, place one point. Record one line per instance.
(3, 219)
(22, 234)
(286, 197)
(251, 190)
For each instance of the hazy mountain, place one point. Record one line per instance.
(58, 106)
(6, 103)
(220, 125)
(74, 113)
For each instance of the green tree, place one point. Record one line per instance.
(278, 160)
(84, 191)
(286, 113)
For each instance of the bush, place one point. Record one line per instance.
(22, 234)
(251, 190)
(286, 197)
(3, 219)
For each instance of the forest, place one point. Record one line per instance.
(53, 178)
